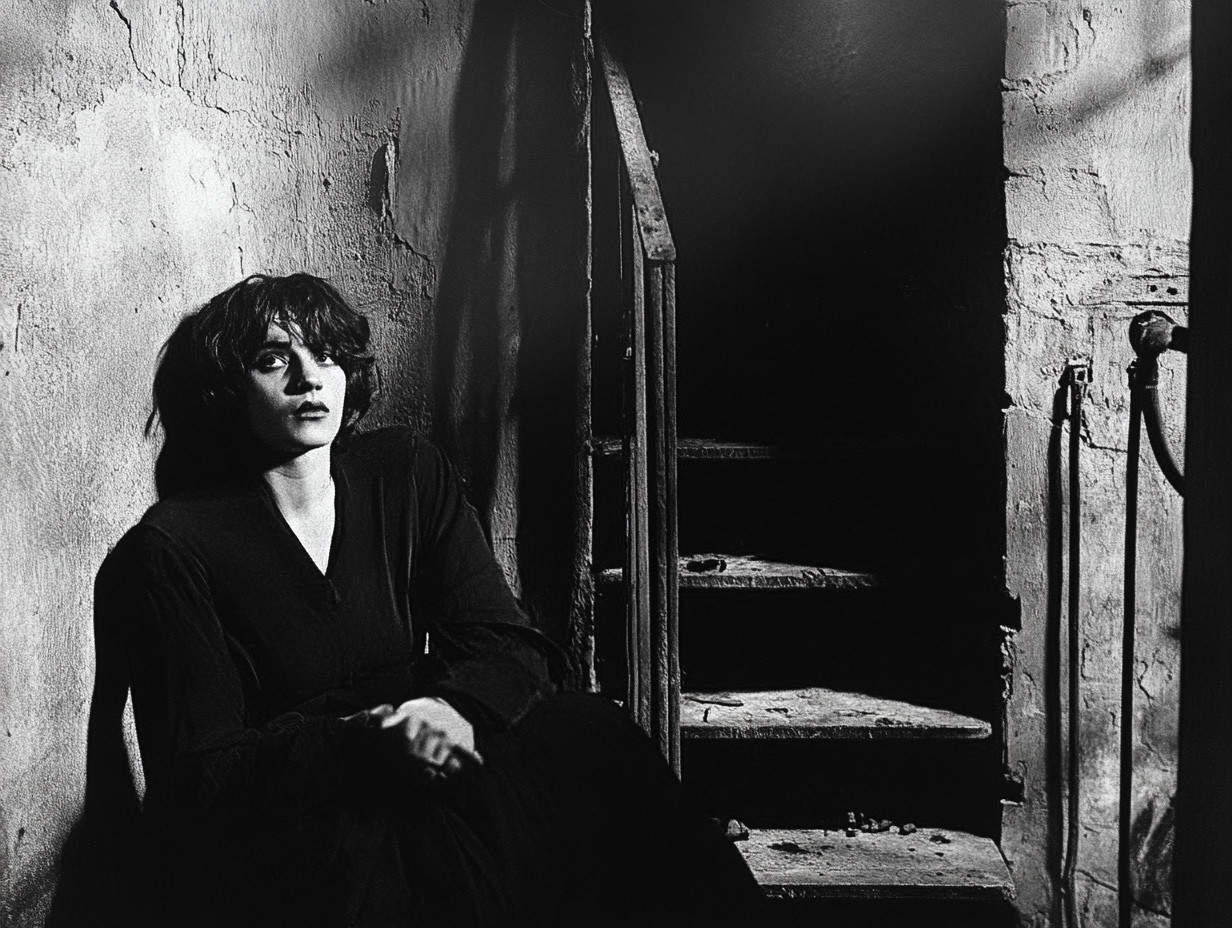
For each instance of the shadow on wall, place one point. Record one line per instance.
(510, 317)
(97, 873)
(509, 320)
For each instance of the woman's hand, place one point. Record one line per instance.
(427, 731)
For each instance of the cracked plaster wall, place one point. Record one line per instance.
(1098, 189)
(423, 154)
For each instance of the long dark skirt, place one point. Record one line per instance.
(574, 819)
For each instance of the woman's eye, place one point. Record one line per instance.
(325, 357)
(268, 362)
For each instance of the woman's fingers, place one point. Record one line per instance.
(375, 716)
(438, 748)
(421, 744)
(429, 745)
(429, 733)
(467, 756)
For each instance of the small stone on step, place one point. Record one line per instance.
(736, 830)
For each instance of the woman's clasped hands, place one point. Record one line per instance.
(427, 732)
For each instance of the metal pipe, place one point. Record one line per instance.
(1078, 375)
(1151, 334)
(1125, 902)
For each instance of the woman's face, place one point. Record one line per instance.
(295, 395)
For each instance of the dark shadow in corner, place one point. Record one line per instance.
(97, 880)
(508, 312)
(100, 879)
(1152, 840)
(551, 281)
(470, 298)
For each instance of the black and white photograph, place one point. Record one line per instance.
(684, 464)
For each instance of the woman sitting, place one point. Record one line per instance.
(344, 717)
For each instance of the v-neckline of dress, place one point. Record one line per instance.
(288, 532)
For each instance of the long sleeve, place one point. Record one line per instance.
(495, 663)
(201, 754)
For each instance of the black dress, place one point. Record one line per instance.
(262, 807)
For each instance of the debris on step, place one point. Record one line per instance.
(731, 828)
(859, 822)
(886, 722)
(736, 830)
(790, 847)
(699, 565)
(715, 699)
(853, 824)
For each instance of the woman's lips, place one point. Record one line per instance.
(311, 411)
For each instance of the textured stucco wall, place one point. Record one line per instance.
(424, 154)
(1096, 104)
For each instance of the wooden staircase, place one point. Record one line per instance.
(769, 685)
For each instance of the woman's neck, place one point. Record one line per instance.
(301, 484)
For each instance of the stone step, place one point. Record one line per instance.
(816, 712)
(929, 863)
(742, 572)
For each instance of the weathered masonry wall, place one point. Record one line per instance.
(1096, 103)
(424, 154)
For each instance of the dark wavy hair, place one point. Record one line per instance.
(199, 398)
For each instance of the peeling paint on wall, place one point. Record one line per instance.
(1097, 210)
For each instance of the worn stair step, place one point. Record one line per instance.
(705, 449)
(929, 863)
(714, 449)
(816, 712)
(741, 572)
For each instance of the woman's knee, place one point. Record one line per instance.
(578, 717)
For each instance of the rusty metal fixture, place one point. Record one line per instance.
(1151, 333)
(1154, 332)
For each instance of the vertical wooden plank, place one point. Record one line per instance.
(640, 523)
(633, 672)
(582, 599)
(649, 217)
(1203, 892)
(673, 528)
(659, 526)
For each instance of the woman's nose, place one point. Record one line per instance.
(310, 374)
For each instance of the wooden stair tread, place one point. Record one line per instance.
(709, 449)
(930, 863)
(705, 449)
(742, 572)
(816, 712)
(715, 449)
